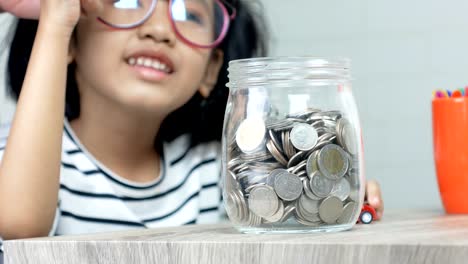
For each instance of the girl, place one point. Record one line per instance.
(142, 84)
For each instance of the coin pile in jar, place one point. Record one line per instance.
(303, 166)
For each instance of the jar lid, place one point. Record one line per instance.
(286, 70)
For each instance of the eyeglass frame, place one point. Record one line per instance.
(227, 18)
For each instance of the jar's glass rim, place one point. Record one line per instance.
(298, 61)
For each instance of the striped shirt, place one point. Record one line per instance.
(92, 198)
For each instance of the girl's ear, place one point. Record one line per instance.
(212, 72)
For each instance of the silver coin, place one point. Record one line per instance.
(239, 168)
(341, 189)
(263, 167)
(278, 215)
(250, 134)
(317, 124)
(232, 177)
(235, 162)
(260, 155)
(349, 138)
(280, 125)
(306, 223)
(331, 124)
(232, 209)
(298, 120)
(314, 118)
(301, 174)
(288, 212)
(276, 153)
(308, 192)
(299, 167)
(310, 217)
(339, 131)
(320, 185)
(353, 178)
(253, 219)
(236, 206)
(263, 201)
(327, 138)
(259, 178)
(303, 115)
(296, 159)
(309, 205)
(312, 166)
(304, 215)
(287, 146)
(288, 186)
(333, 115)
(304, 137)
(248, 189)
(330, 209)
(322, 143)
(349, 212)
(272, 176)
(274, 138)
(332, 161)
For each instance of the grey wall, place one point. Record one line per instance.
(401, 50)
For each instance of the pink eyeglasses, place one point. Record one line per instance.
(199, 23)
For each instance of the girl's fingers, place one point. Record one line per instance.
(29, 9)
(374, 197)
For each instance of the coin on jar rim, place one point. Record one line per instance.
(250, 134)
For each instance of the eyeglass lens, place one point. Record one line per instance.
(198, 21)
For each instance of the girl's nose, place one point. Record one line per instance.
(158, 27)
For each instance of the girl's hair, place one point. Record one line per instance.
(201, 118)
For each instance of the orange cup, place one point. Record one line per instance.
(450, 135)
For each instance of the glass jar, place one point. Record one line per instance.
(292, 149)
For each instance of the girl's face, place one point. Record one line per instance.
(144, 69)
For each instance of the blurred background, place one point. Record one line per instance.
(400, 50)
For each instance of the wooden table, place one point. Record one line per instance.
(401, 237)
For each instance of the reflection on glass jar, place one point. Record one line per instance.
(292, 150)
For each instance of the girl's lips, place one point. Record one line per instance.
(150, 63)
(149, 74)
(143, 56)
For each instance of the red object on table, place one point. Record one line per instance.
(367, 214)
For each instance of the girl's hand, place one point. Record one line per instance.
(21, 8)
(374, 197)
(61, 14)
